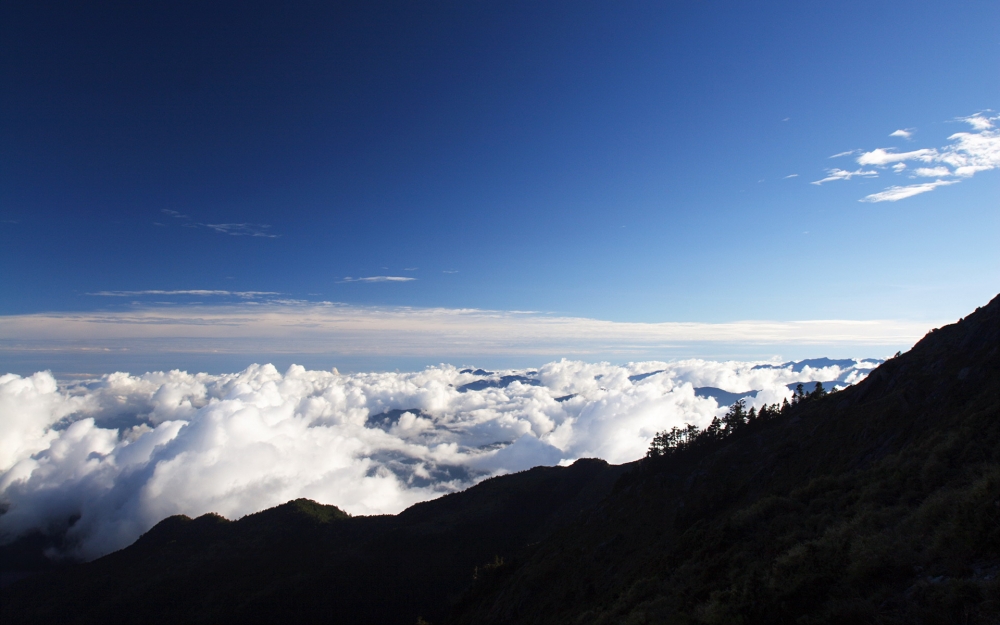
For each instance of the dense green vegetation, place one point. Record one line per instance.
(879, 503)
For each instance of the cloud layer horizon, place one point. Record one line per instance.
(106, 459)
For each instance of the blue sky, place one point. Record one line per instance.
(623, 162)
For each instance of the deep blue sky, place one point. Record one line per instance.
(622, 161)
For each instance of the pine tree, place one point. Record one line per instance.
(714, 430)
(764, 413)
(690, 434)
(736, 416)
(799, 394)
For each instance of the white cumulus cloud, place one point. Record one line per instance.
(121, 452)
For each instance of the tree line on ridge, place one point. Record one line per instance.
(736, 419)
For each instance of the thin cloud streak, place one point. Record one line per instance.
(232, 229)
(880, 157)
(931, 172)
(242, 230)
(894, 194)
(378, 279)
(197, 292)
(307, 328)
(841, 174)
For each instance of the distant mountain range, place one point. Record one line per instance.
(821, 363)
(847, 366)
(879, 503)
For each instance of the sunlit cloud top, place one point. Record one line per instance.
(120, 452)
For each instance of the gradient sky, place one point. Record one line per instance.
(626, 161)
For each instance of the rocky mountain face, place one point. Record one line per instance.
(876, 504)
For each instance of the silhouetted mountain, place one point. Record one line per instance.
(829, 385)
(642, 376)
(389, 418)
(502, 382)
(304, 562)
(723, 398)
(476, 372)
(819, 363)
(876, 504)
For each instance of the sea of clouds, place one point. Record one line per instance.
(106, 459)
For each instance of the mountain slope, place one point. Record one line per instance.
(877, 504)
(306, 562)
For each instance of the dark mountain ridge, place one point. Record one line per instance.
(876, 504)
(307, 562)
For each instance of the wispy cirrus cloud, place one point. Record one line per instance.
(979, 121)
(232, 229)
(842, 174)
(931, 172)
(968, 154)
(896, 193)
(378, 279)
(880, 157)
(196, 292)
(243, 230)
